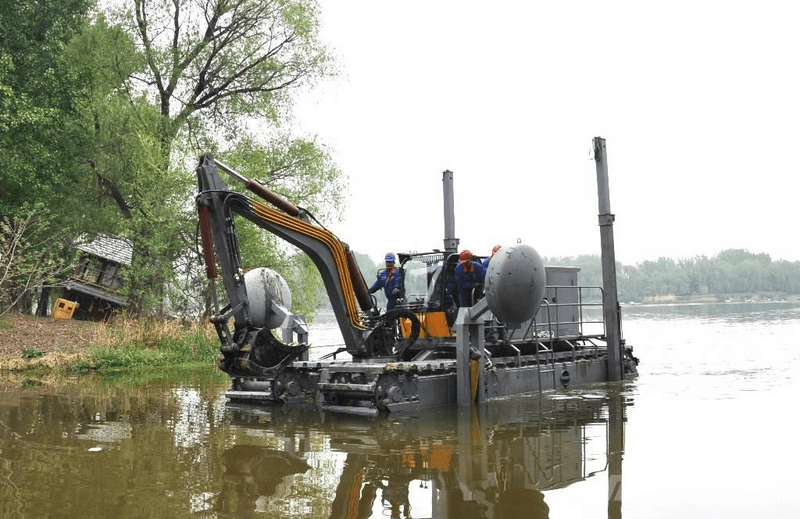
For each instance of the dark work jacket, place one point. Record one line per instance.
(389, 280)
(468, 278)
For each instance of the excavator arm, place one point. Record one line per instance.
(345, 285)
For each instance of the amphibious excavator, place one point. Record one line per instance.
(531, 328)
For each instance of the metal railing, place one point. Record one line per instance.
(560, 323)
(556, 324)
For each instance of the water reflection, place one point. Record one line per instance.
(169, 449)
(254, 477)
(497, 461)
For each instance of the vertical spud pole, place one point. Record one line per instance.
(610, 302)
(450, 240)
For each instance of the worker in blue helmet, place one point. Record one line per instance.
(391, 280)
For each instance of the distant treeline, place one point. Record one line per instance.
(731, 272)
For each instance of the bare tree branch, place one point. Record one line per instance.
(205, 55)
(24, 264)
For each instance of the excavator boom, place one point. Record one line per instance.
(217, 205)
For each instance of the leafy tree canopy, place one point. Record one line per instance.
(102, 117)
(38, 96)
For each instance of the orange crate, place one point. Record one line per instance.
(64, 309)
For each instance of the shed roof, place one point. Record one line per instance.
(106, 247)
(94, 291)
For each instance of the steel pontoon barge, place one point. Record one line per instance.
(532, 329)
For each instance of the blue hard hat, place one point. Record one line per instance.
(389, 257)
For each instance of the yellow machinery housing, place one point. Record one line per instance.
(431, 325)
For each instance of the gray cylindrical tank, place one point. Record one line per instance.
(515, 283)
(264, 285)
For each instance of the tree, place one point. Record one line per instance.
(39, 98)
(104, 125)
(38, 93)
(227, 59)
(125, 190)
(130, 95)
(218, 75)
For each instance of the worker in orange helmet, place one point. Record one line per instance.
(469, 276)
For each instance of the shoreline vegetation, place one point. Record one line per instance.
(124, 346)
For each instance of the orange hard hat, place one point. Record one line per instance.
(465, 256)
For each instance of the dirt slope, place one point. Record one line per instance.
(46, 334)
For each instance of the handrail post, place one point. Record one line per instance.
(580, 310)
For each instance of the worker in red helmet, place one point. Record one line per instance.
(469, 276)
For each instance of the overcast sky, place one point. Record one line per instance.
(699, 103)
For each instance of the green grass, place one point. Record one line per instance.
(142, 346)
(196, 348)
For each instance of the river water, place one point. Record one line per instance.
(707, 430)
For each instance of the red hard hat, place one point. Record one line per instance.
(465, 256)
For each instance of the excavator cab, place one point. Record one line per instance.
(439, 310)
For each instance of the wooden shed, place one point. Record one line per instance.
(97, 280)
